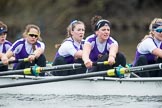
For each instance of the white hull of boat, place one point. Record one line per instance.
(88, 86)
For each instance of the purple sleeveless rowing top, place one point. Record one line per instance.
(94, 54)
(150, 57)
(70, 58)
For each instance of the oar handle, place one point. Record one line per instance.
(16, 61)
(19, 60)
(100, 63)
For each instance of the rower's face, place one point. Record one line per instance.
(78, 32)
(32, 35)
(158, 33)
(104, 32)
(3, 37)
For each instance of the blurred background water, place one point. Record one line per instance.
(78, 101)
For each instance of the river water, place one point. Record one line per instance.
(56, 95)
(78, 101)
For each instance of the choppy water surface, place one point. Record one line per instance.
(78, 101)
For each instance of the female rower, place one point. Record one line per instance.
(149, 50)
(70, 51)
(29, 47)
(100, 46)
(4, 44)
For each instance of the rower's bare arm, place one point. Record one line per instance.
(157, 52)
(112, 53)
(5, 57)
(86, 52)
(1, 54)
(113, 50)
(9, 54)
(38, 52)
(78, 54)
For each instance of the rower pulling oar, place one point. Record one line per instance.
(35, 70)
(111, 72)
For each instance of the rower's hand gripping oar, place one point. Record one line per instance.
(16, 61)
(35, 70)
